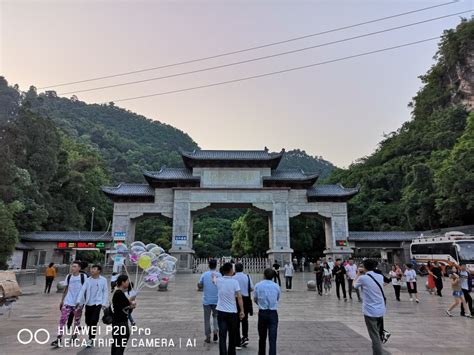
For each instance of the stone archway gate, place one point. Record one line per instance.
(222, 178)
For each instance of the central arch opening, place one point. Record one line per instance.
(231, 230)
(307, 236)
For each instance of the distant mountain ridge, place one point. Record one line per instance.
(131, 143)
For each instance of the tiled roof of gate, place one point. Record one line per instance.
(129, 190)
(290, 174)
(76, 236)
(332, 191)
(171, 174)
(393, 236)
(231, 155)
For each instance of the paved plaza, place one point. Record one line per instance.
(309, 323)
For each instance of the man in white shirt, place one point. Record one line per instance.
(95, 295)
(246, 287)
(351, 272)
(227, 290)
(289, 272)
(74, 282)
(373, 305)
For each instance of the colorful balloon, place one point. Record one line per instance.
(157, 250)
(171, 259)
(154, 270)
(144, 262)
(150, 246)
(162, 256)
(151, 280)
(133, 258)
(167, 267)
(137, 250)
(138, 243)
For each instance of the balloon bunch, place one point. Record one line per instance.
(153, 264)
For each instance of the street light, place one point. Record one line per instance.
(92, 219)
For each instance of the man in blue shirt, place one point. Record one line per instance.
(373, 303)
(209, 299)
(267, 295)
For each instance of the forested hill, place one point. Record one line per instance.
(299, 159)
(422, 176)
(56, 153)
(129, 143)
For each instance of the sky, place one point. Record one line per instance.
(339, 111)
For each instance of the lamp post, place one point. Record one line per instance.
(92, 218)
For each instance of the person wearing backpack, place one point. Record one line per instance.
(94, 295)
(84, 265)
(373, 303)
(74, 282)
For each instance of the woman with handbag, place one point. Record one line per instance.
(121, 308)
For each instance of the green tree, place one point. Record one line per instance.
(418, 201)
(455, 181)
(419, 176)
(250, 235)
(8, 232)
(156, 230)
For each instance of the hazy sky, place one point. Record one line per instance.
(339, 111)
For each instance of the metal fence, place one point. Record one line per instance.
(251, 265)
(25, 277)
(61, 269)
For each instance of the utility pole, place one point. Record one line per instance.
(92, 219)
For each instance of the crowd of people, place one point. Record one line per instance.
(227, 299)
(229, 291)
(88, 293)
(229, 295)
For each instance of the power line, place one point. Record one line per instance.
(264, 57)
(278, 72)
(252, 48)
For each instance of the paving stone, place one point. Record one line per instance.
(309, 323)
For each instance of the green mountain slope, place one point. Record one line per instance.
(128, 143)
(422, 176)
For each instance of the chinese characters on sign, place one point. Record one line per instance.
(180, 239)
(80, 245)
